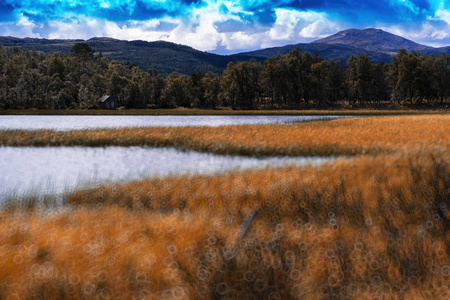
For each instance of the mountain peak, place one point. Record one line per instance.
(372, 39)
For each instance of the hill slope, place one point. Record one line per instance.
(377, 44)
(335, 52)
(372, 40)
(164, 56)
(168, 57)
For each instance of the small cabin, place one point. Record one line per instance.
(107, 102)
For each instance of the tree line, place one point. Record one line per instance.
(30, 79)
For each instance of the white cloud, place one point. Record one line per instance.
(22, 28)
(440, 35)
(104, 4)
(428, 33)
(201, 32)
(292, 24)
(215, 26)
(285, 23)
(85, 28)
(443, 15)
(75, 29)
(320, 28)
(409, 5)
(25, 22)
(204, 36)
(241, 40)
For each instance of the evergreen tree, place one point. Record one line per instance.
(82, 51)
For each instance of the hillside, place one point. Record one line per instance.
(372, 40)
(168, 57)
(379, 45)
(163, 56)
(335, 52)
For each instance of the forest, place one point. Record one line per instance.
(33, 80)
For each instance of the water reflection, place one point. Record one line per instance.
(95, 122)
(48, 170)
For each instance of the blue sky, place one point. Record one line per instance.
(224, 26)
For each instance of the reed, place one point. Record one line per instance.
(373, 227)
(377, 226)
(370, 135)
(342, 186)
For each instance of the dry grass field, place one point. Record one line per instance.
(369, 135)
(373, 227)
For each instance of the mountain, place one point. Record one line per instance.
(163, 56)
(169, 57)
(335, 52)
(443, 50)
(379, 45)
(373, 40)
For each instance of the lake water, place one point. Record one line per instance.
(55, 170)
(50, 170)
(96, 122)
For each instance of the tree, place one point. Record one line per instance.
(211, 84)
(197, 89)
(240, 84)
(327, 82)
(117, 85)
(176, 93)
(274, 81)
(360, 76)
(393, 73)
(156, 84)
(441, 77)
(56, 67)
(82, 51)
(382, 90)
(409, 74)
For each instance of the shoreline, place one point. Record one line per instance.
(225, 112)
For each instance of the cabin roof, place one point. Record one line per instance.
(104, 98)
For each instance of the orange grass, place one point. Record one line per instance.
(376, 227)
(334, 137)
(363, 186)
(113, 253)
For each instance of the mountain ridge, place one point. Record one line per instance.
(168, 57)
(373, 39)
(335, 52)
(379, 45)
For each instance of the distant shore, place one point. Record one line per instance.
(193, 111)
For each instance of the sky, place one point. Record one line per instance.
(224, 27)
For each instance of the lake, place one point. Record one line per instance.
(97, 122)
(55, 170)
(50, 170)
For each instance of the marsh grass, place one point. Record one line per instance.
(370, 135)
(376, 227)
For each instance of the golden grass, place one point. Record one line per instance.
(289, 192)
(353, 136)
(353, 229)
(374, 227)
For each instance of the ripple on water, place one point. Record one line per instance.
(50, 170)
(96, 122)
